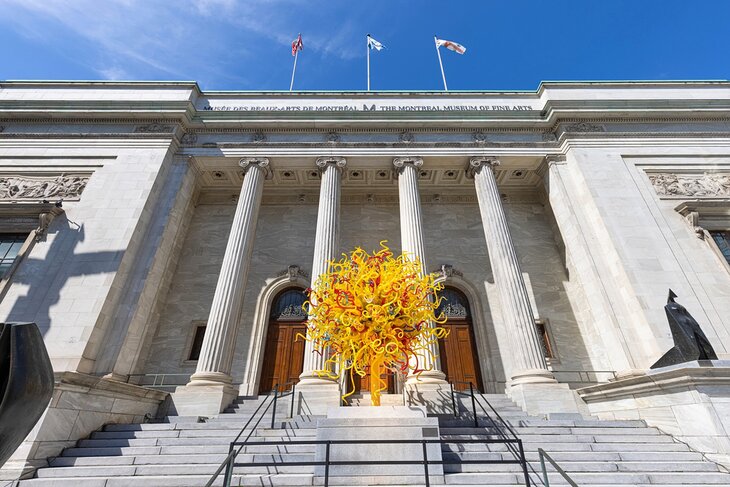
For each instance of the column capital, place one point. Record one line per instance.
(261, 163)
(555, 159)
(400, 162)
(476, 164)
(338, 162)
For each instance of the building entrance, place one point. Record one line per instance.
(284, 352)
(459, 358)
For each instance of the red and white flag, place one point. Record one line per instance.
(451, 46)
(296, 45)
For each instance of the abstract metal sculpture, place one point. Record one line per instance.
(26, 383)
(690, 343)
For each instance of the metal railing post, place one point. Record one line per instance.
(473, 405)
(453, 400)
(545, 479)
(229, 468)
(273, 411)
(293, 395)
(425, 462)
(327, 464)
(523, 461)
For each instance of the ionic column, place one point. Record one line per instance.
(528, 360)
(216, 354)
(411, 235)
(326, 248)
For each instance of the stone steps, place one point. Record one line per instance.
(185, 452)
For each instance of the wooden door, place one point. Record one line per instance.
(362, 384)
(459, 358)
(284, 350)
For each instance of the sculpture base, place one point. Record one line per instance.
(377, 423)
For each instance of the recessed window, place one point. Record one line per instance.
(10, 244)
(197, 345)
(722, 240)
(544, 337)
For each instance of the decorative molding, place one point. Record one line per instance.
(477, 163)
(555, 159)
(258, 137)
(447, 271)
(293, 272)
(584, 127)
(338, 162)
(153, 128)
(549, 137)
(406, 137)
(707, 185)
(42, 187)
(693, 218)
(400, 162)
(261, 162)
(2, 128)
(479, 137)
(333, 137)
(189, 138)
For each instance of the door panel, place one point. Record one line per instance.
(459, 359)
(283, 355)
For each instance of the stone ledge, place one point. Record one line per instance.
(689, 375)
(87, 383)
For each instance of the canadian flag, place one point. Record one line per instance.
(296, 45)
(450, 45)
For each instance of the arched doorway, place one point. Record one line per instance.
(459, 358)
(284, 352)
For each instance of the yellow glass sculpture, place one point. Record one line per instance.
(372, 313)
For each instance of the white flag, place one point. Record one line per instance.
(373, 44)
(450, 45)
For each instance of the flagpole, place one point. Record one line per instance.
(438, 51)
(367, 46)
(296, 55)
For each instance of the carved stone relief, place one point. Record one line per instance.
(584, 127)
(258, 137)
(333, 137)
(189, 139)
(29, 187)
(406, 137)
(153, 128)
(292, 272)
(697, 185)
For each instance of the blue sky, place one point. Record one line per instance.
(246, 45)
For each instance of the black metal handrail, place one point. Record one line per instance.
(545, 480)
(507, 439)
(277, 395)
(327, 463)
(271, 399)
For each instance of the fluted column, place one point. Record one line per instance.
(216, 354)
(528, 360)
(411, 234)
(326, 248)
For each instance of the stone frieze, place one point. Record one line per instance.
(695, 185)
(41, 187)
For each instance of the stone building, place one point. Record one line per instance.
(161, 237)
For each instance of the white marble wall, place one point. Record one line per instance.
(70, 284)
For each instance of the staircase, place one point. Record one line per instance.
(185, 452)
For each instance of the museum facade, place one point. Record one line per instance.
(163, 238)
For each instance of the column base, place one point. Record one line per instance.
(209, 379)
(548, 398)
(533, 376)
(201, 400)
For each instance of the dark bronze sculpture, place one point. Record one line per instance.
(689, 341)
(26, 383)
